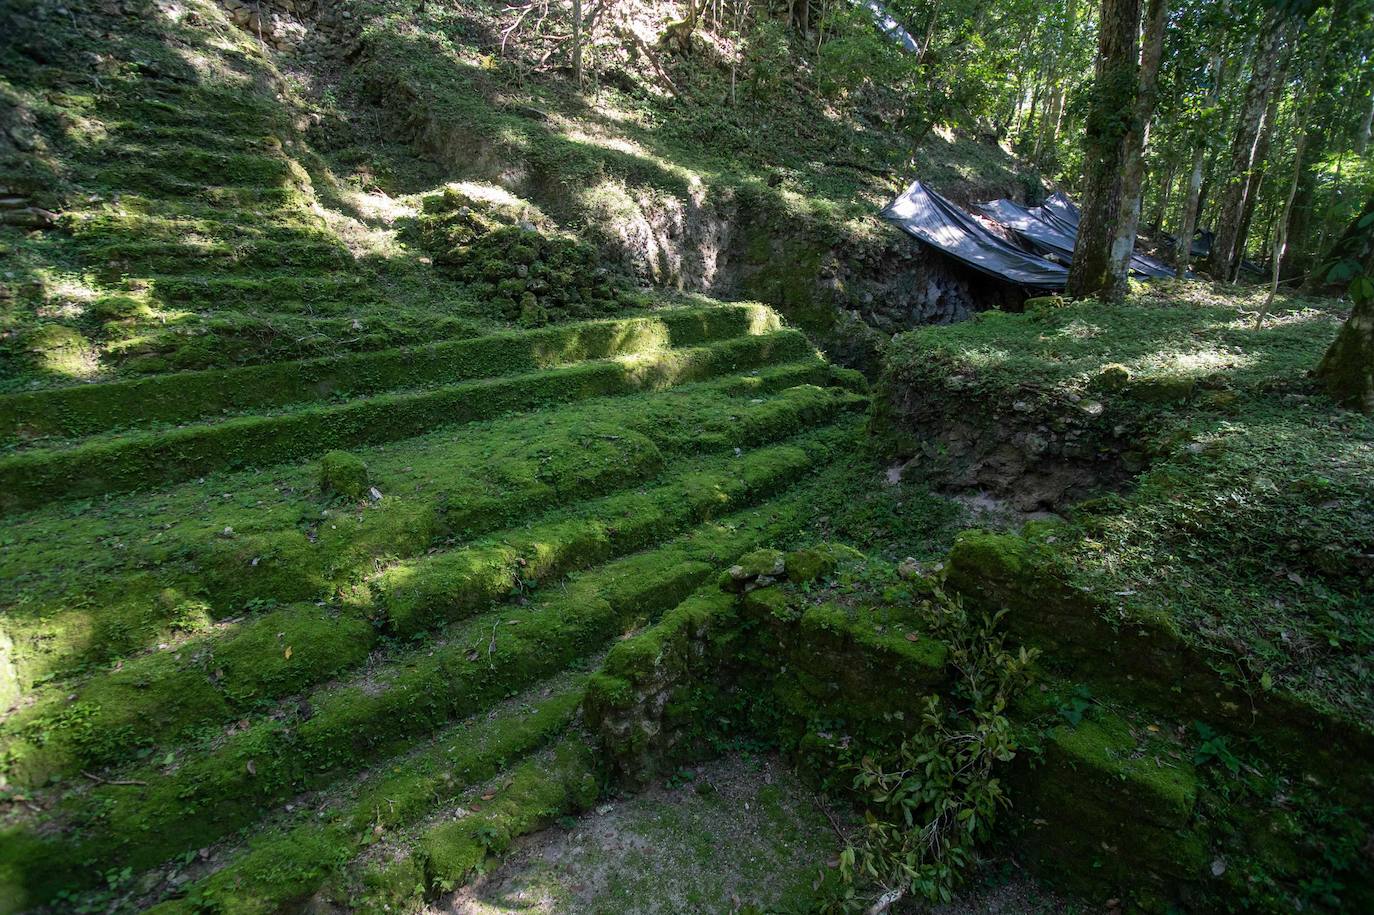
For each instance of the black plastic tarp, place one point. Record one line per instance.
(931, 218)
(1041, 233)
(1052, 229)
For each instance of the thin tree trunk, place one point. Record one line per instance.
(1366, 126)
(1347, 369)
(1166, 191)
(1258, 171)
(577, 42)
(1116, 85)
(1298, 256)
(1281, 230)
(1133, 153)
(930, 31)
(1225, 248)
(1192, 201)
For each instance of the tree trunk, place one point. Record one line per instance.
(1299, 256)
(1133, 151)
(1046, 145)
(1281, 231)
(1115, 89)
(1166, 191)
(1347, 369)
(577, 42)
(1192, 201)
(1366, 126)
(1268, 52)
(1258, 171)
(930, 30)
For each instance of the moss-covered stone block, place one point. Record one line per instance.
(756, 569)
(819, 561)
(1112, 377)
(1045, 303)
(1151, 783)
(343, 474)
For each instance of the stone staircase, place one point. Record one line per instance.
(216, 667)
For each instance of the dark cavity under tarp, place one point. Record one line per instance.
(932, 219)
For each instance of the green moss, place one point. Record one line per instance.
(284, 868)
(137, 460)
(535, 794)
(336, 730)
(343, 474)
(1160, 790)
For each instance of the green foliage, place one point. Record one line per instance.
(931, 798)
(1214, 748)
(768, 60)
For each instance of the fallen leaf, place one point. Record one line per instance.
(252, 767)
(912, 637)
(287, 653)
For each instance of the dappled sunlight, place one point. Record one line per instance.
(643, 337)
(984, 357)
(1285, 318)
(1078, 329)
(1200, 363)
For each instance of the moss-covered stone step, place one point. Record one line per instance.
(200, 794)
(189, 170)
(1110, 806)
(224, 338)
(282, 867)
(1150, 659)
(200, 253)
(446, 853)
(67, 606)
(274, 239)
(290, 291)
(863, 668)
(131, 462)
(203, 108)
(147, 134)
(422, 593)
(210, 166)
(228, 673)
(187, 396)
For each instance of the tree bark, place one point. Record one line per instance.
(1166, 192)
(1225, 255)
(1347, 369)
(1116, 86)
(1133, 147)
(1281, 231)
(1259, 171)
(1298, 258)
(1192, 201)
(1366, 126)
(577, 42)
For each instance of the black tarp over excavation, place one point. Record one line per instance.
(1052, 229)
(931, 218)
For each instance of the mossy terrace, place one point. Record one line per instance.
(354, 523)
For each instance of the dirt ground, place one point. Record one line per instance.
(740, 831)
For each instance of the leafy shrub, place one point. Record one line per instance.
(934, 795)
